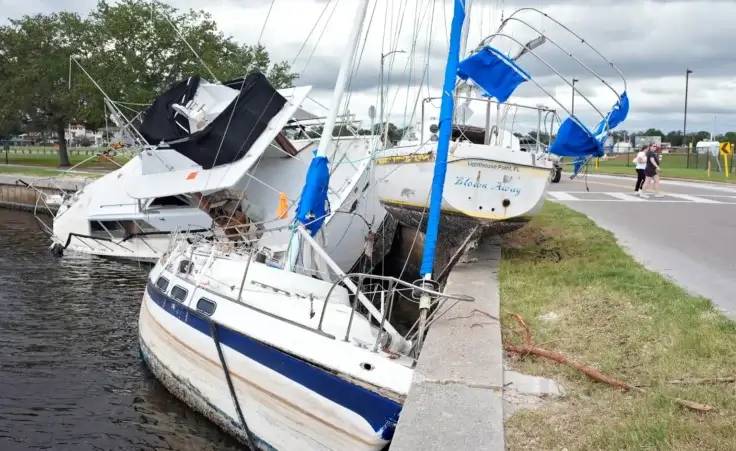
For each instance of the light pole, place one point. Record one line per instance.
(572, 110)
(385, 138)
(684, 121)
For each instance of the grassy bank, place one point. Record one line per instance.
(586, 298)
(673, 165)
(49, 158)
(44, 172)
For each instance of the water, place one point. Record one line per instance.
(71, 376)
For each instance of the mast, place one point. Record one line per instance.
(342, 77)
(440, 167)
(313, 208)
(464, 90)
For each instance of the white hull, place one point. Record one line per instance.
(483, 184)
(330, 403)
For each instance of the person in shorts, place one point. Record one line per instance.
(641, 164)
(651, 172)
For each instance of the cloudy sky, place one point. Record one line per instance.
(652, 42)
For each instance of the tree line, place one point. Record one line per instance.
(131, 48)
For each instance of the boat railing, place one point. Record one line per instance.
(384, 291)
(576, 139)
(541, 129)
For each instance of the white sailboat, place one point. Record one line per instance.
(491, 180)
(276, 357)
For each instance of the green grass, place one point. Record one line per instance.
(611, 314)
(49, 158)
(43, 172)
(674, 165)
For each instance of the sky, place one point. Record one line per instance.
(651, 42)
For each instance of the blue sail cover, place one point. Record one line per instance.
(443, 143)
(493, 72)
(575, 140)
(313, 205)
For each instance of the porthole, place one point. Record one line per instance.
(206, 306)
(367, 366)
(178, 293)
(162, 283)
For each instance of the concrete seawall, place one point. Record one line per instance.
(456, 399)
(16, 195)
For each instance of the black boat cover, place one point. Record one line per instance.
(251, 112)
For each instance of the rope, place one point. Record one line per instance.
(233, 395)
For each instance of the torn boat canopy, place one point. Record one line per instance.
(493, 72)
(198, 178)
(575, 140)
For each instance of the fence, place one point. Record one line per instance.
(676, 158)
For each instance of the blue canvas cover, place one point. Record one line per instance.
(493, 72)
(313, 205)
(575, 140)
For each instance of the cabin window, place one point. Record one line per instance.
(206, 306)
(119, 229)
(178, 293)
(162, 283)
(170, 201)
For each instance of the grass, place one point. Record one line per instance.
(49, 158)
(674, 165)
(43, 172)
(584, 297)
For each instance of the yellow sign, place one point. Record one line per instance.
(401, 159)
(726, 148)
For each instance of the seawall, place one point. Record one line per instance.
(16, 194)
(456, 398)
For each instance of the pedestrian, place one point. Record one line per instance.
(640, 160)
(651, 171)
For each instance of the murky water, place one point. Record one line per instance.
(71, 376)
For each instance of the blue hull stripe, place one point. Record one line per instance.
(380, 412)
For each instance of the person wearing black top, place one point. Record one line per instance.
(652, 173)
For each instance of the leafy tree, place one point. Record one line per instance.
(129, 48)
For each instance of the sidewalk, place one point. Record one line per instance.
(455, 402)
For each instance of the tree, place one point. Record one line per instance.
(129, 48)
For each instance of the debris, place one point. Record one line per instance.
(529, 348)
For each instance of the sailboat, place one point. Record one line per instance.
(491, 181)
(277, 357)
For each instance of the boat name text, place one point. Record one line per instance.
(497, 166)
(469, 183)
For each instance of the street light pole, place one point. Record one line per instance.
(572, 110)
(684, 121)
(385, 138)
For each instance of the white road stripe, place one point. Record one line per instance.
(700, 200)
(626, 197)
(559, 195)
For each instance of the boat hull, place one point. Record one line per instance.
(283, 410)
(503, 192)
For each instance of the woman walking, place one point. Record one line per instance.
(652, 174)
(641, 163)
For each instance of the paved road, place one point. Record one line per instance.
(689, 235)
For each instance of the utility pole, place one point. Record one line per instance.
(384, 133)
(684, 121)
(572, 110)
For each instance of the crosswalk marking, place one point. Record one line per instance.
(700, 200)
(626, 197)
(559, 195)
(597, 196)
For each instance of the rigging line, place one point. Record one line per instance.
(181, 36)
(268, 14)
(314, 27)
(411, 60)
(316, 44)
